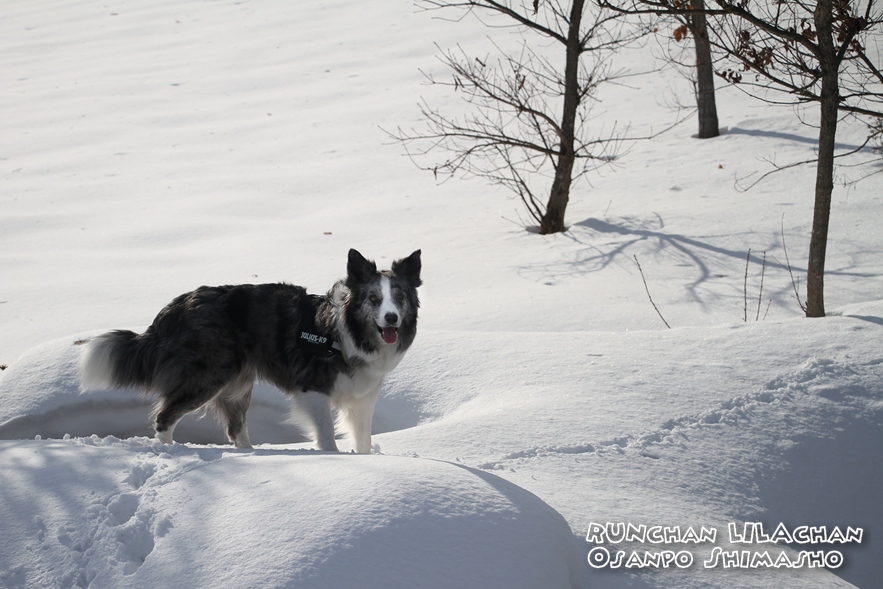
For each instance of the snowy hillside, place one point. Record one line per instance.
(151, 147)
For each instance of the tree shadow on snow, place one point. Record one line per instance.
(687, 248)
(795, 138)
(696, 262)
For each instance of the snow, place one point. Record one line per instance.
(150, 147)
(139, 514)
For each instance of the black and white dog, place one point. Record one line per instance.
(209, 346)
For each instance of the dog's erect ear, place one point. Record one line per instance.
(409, 268)
(358, 268)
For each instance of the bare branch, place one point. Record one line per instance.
(647, 288)
(528, 123)
(492, 5)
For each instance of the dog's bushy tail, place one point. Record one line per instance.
(118, 359)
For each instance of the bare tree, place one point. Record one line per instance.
(529, 116)
(706, 104)
(692, 25)
(812, 51)
(815, 51)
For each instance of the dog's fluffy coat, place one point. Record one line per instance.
(209, 346)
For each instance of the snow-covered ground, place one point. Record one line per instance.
(151, 147)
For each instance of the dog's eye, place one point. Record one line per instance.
(375, 300)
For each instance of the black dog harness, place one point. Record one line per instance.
(311, 340)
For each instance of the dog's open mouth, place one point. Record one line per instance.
(389, 334)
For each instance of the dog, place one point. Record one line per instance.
(207, 347)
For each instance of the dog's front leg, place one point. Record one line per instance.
(317, 407)
(358, 413)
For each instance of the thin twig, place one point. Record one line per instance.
(745, 290)
(788, 263)
(648, 293)
(760, 294)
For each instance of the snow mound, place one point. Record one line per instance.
(136, 513)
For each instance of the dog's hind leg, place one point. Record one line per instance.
(165, 436)
(316, 407)
(166, 420)
(175, 405)
(231, 406)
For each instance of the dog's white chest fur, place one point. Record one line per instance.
(368, 378)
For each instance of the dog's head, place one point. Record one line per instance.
(386, 300)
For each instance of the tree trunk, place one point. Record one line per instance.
(707, 109)
(553, 219)
(830, 91)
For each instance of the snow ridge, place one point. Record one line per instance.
(811, 378)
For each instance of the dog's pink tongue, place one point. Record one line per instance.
(389, 335)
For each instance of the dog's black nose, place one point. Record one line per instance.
(391, 318)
